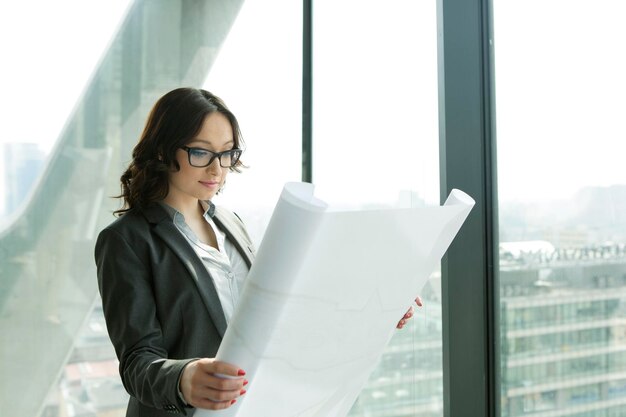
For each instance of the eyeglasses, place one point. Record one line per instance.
(200, 158)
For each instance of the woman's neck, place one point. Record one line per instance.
(190, 208)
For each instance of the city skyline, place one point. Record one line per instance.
(22, 165)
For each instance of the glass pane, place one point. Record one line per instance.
(562, 202)
(376, 143)
(259, 74)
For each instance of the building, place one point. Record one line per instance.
(23, 163)
(563, 332)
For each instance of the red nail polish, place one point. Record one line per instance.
(241, 372)
(243, 391)
(233, 402)
(245, 382)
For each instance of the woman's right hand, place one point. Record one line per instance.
(203, 388)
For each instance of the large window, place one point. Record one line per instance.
(562, 197)
(375, 143)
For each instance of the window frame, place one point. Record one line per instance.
(467, 153)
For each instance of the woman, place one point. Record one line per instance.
(171, 266)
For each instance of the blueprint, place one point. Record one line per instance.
(323, 298)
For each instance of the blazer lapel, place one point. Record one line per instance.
(172, 237)
(244, 249)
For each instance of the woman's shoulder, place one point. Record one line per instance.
(226, 215)
(135, 221)
(233, 222)
(131, 230)
(130, 219)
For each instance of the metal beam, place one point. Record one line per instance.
(467, 162)
(307, 90)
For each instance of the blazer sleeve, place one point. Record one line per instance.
(125, 284)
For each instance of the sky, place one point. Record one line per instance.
(559, 91)
(560, 96)
(361, 116)
(51, 50)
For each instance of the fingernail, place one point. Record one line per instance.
(241, 372)
(245, 382)
(233, 402)
(243, 391)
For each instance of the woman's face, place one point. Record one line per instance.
(216, 135)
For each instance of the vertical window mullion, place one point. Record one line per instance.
(307, 91)
(467, 162)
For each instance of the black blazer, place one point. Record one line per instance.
(160, 304)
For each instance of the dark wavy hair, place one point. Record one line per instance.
(175, 119)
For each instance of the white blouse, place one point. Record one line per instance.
(226, 266)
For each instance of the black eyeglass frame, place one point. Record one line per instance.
(235, 155)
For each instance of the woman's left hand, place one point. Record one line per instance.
(408, 314)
